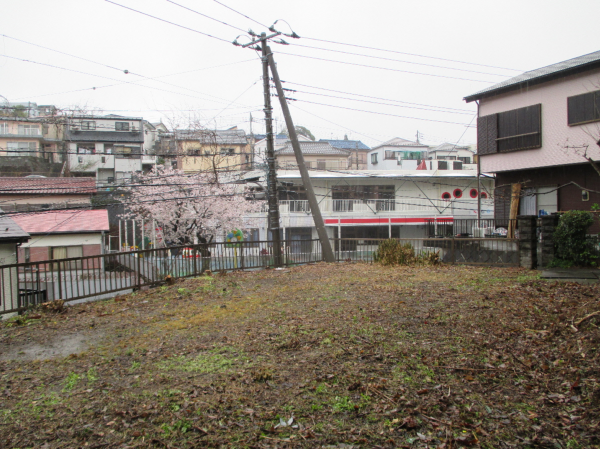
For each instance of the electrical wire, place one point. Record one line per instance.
(384, 68)
(169, 22)
(237, 12)
(208, 17)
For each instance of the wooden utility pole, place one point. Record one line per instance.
(514, 209)
(328, 255)
(273, 216)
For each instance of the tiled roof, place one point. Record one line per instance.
(11, 231)
(218, 137)
(347, 144)
(400, 142)
(45, 186)
(324, 148)
(69, 221)
(104, 136)
(564, 68)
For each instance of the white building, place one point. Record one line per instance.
(109, 147)
(395, 154)
(378, 204)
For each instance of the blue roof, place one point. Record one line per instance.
(346, 144)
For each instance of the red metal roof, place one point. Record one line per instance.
(63, 221)
(55, 186)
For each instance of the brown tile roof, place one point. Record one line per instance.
(55, 186)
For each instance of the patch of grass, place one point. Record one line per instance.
(71, 381)
(215, 361)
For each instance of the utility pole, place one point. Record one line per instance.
(273, 217)
(310, 193)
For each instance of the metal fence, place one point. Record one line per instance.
(101, 276)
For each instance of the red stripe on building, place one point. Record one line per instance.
(383, 221)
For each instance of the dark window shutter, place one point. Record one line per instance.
(520, 129)
(583, 108)
(442, 165)
(487, 131)
(457, 165)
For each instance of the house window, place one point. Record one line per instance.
(584, 108)
(121, 126)
(373, 158)
(465, 160)
(389, 155)
(227, 151)
(88, 125)
(29, 130)
(442, 165)
(457, 165)
(3, 128)
(519, 129)
(21, 148)
(67, 252)
(86, 148)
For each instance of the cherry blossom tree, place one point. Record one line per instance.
(191, 208)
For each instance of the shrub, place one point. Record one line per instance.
(570, 242)
(392, 252)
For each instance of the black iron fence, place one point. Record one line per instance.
(101, 276)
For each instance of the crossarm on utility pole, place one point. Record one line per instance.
(328, 255)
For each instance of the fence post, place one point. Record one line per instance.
(549, 223)
(60, 296)
(139, 271)
(452, 251)
(527, 241)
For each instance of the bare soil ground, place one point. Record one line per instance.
(331, 356)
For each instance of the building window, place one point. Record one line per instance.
(389, 155)
(442, 165)
(22, 148)
(86, 148)
(584, 108)
(227, 151)
(67, 252)
(457, 165)
(88, 125)
(3, 128)
(121, 126)
(519, 129)
(374, 158)
(29, 130)
(465, 160)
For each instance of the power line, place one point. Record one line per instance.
(384, 68)
(397, 60)
(169, 22)
(385, 104)
(383, 113)
(410, 54)
(208, 17)
(378, 98)
(237, 12)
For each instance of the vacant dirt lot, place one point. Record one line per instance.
(334, 356)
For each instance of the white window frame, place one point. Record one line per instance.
(122, 126)
(88, 125)
(29, 130)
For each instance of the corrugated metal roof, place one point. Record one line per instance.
(218, 137)
(10, 230)
(564, 68)
(324, 148)
(104, 136)
(347, 144)
(61, 222)
(45, 186)
(400, 142)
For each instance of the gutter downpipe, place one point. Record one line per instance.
(478, 178)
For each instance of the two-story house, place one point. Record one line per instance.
(539, 131)
(396, 153)
(108, 147)
(203, 150)
(358, 150)
(317, 155)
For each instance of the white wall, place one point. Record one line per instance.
(10, 288)
(63, 240)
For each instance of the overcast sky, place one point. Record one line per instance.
(176, 74)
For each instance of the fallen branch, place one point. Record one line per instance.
(468, 369)
(587, 317)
